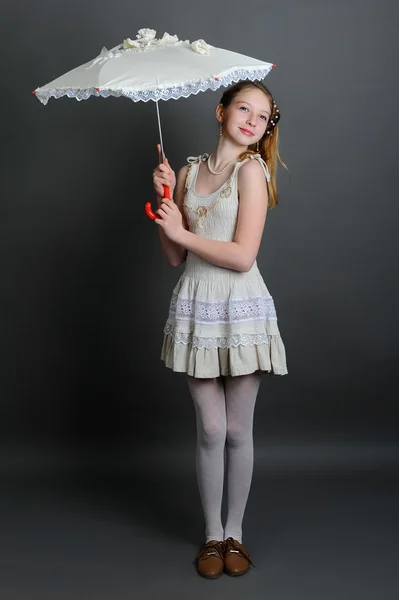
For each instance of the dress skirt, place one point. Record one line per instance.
(222, 322)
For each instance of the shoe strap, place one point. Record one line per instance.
(232, 546)
(210, 550)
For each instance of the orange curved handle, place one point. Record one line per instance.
(148, 209)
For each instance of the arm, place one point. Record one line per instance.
(175, 253)
(240, 254)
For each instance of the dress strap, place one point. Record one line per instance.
(191, 171)
(197, 159)
(262, 162)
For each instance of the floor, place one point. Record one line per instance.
(117, 533)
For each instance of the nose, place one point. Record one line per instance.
(250, 121)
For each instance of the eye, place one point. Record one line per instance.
(263, 117)
(244, 107)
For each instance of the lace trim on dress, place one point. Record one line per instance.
(235, 310)
(189, 179)
(209, 343)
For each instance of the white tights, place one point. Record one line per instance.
(224, 409)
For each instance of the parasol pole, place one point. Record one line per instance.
(160, 131)
(166, 190)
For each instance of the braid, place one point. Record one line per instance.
(274, 119)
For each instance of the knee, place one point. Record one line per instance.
(213, 434)
(238, 435)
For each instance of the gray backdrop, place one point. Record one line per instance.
(85, 289)
(98, 493)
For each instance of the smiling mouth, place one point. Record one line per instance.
(247, 132)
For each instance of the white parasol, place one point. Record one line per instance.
(148, 68)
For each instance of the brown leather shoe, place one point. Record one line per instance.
(236, 558)
(210, 560)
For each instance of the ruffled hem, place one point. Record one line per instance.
(235, 360)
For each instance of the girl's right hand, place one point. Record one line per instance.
(163, 175)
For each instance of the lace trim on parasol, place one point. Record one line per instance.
(229, 341)
(178, 91)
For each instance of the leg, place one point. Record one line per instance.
(210, 408)
(241, 393)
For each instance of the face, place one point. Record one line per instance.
(246, 118)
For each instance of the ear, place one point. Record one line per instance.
(220, 112)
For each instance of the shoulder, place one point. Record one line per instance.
(251, 184)
(251, 172)
(191, 160)
(254, 166)
(182, 173)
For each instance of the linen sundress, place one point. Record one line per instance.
(221, 321)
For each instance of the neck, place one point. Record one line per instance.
(225, 153)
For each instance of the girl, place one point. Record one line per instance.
(222, 327)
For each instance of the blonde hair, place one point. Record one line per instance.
(268, 145)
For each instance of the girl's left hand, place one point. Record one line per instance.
(171, 220)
